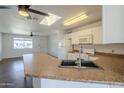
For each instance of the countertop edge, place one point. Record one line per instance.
(86, 81)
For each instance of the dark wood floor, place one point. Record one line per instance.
(12, 74)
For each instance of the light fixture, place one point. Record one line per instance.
(51, 19)
(23, 10)
(75, 19)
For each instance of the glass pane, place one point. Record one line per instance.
(21, 43)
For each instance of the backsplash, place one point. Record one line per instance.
(106, 48)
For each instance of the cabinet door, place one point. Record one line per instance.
(74, 37)
(70, 37)
(50, 83)
(78, 34)
(97, 35)
(113, 24)
(85, 32)
(116, 86)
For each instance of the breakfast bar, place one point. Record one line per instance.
(45, 71)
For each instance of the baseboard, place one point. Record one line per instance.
(52, 55)
(12, 58)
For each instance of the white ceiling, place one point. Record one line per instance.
(11, 22)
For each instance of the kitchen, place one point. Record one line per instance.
(88, 53)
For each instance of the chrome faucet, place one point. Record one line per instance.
(78, 62)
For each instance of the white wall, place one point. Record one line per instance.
(0, 46)
(40, 44)
(54, 49)
(53, 45)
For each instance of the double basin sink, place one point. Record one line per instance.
(83, 64)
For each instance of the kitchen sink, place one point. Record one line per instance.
(73, 64)
(88, 64)
(68, 63)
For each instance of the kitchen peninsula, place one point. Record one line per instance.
(45, 71)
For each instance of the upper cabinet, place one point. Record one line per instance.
(113, 24)
(110, 30)
(74, 38)
(78, 34)
(96, 33)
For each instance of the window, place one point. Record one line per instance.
(22, 43)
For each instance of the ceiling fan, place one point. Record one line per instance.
(24, 10)
(31, 34)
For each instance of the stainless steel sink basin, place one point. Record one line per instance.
(73, 64)
(68, 63)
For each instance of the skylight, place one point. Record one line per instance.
(49, 20)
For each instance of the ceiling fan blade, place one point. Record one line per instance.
(4, 7)
(32, 34)
(38, 12)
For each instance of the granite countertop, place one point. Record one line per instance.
(46, 66)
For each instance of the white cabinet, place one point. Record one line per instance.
(75, 35)
(68, 43)
(85, 32)
(95, 31)
(97, 35)
(116, 86)
(110, 31)
(113, 24)
(71, 37)
(52, 83)
(74, 38)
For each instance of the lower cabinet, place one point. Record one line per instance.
(116, 86)
(51, 83)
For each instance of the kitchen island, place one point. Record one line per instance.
(45, 71)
